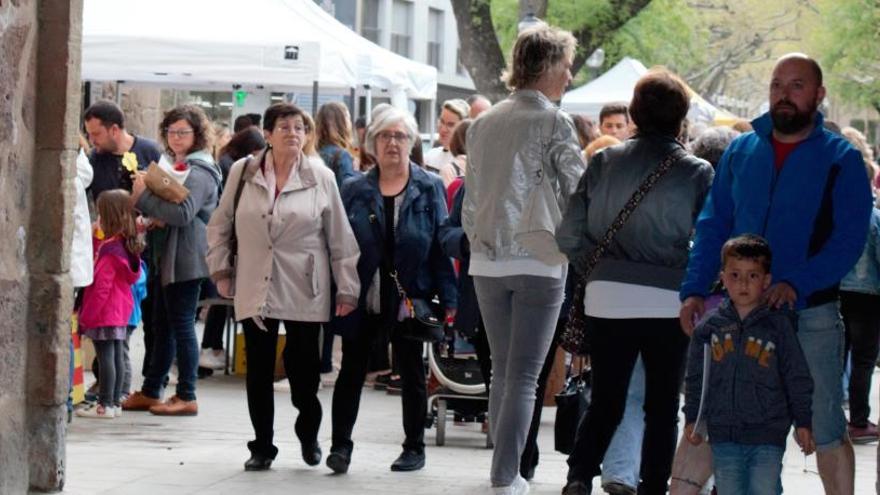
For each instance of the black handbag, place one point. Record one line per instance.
(418, 318)
(576, 336)
(571, 406)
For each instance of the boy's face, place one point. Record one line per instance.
(745, 281)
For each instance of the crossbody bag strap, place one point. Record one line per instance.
(233, 241)
(593, 258)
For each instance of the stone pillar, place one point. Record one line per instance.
(51, 293)
(39, 109)
(141, 106)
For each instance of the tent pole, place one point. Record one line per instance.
(369, 109)
(352, 107)
(432, 119)
(315, 98)
(119, 92)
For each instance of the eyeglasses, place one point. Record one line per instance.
(286, 129)
(386, 137)
(178, 132)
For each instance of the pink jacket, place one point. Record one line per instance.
(108, 302)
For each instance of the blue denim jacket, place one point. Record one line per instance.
(423, 269)
(865, 276)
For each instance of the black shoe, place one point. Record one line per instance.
(381, 382)
(527, 472)
(311, 453)
(395, 386)
(338, 460)
(577, 488)
(409, 460)
(257, 462)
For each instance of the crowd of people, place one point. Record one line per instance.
(745, 257)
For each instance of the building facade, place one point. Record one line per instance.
(422, 30)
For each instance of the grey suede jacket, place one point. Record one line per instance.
(652, 247)
(524, 162)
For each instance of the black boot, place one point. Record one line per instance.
(339, 459)
(409, 460)
(311, 453)
(258, 462)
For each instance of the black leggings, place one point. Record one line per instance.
(111, 375)
(861, 317)
(616, 345)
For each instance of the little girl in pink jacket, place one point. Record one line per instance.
(107, 303)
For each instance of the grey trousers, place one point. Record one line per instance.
(520, 314)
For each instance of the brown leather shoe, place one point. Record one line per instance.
(175, 406)
(139, 402)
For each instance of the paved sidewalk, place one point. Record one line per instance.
(144, 454)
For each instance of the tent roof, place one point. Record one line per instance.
(617, 85)
(217, 43)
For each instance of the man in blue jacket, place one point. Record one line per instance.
(805, 190)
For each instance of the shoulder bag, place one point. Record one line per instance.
(576, 336)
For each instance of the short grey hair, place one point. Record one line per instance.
(710, 145)
(387, 118)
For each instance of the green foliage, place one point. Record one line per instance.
(667, 32)
(848, 43)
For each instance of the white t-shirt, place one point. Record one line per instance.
(618, 300)
(509, 267)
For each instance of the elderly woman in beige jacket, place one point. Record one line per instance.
(292, 231)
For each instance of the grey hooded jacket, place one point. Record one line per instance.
(652, 247)
(759, 382)
(183, 255)
(524, 162)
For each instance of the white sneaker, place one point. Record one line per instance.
(212, 359)
(173, 373)
(519, 487)
(96, 411)
(117, 411)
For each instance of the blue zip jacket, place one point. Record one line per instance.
(339, 161)
(814, 212)
(422, 268)
(759, 382)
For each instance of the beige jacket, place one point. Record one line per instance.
(285, 251)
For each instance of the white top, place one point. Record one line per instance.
(617, 300)
(509, 267)
(437, 157)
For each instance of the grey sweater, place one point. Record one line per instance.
(759, 382)
(183, 255)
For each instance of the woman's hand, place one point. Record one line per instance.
(343, 309)
(224, 288)
(138, 186)
(691, 310)
(693, 437)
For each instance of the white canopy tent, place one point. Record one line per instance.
(617, 85)
(281, 45)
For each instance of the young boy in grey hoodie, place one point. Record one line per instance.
(758, 380)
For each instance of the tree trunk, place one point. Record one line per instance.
(480, 53)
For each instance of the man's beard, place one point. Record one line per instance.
(790, 123)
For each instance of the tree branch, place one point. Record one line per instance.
(591, 37)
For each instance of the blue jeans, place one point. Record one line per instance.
(624, 456)
(747, 469)
(174, 333)
(821, 334)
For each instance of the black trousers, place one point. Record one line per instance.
(861, 318)
(407, 355)
(616, 345)
(301, 362)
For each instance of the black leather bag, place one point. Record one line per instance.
(424, 325)
(571, 406)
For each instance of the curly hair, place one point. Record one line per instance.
(203, 131)
(536, 50)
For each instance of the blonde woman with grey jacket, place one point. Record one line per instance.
(292, 233)
(524, 162)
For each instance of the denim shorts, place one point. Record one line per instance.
(747, 469)
(820, 332)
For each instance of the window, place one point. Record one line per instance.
(435, 38)
(401, 27)
(370, 21)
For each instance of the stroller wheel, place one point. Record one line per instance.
(441, 423)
